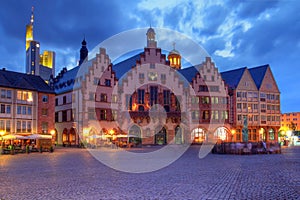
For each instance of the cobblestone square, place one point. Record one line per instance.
(71, 173)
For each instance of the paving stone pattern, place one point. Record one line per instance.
(71, 173)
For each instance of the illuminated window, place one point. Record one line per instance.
(7, 126)
(271, 134)
(18, 126)
(2, 125)
(220, 133)
(114, 98)
(29, 126)
(23, 126)
(198, 135)
(114, 115)
(205, 115)
(45, 127)
(205, 100)
(103, 114)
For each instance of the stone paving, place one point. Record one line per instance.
(71, 173)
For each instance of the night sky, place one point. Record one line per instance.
(234, 33)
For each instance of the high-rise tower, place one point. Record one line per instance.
(38, 64)
(29, 30)
(32, 49)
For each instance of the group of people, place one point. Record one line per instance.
(22, 146)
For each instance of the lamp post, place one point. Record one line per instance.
(232, 134)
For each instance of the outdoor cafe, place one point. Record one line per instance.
(14, 143)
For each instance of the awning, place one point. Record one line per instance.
(38, 136)
(20, 137)
(13, 137)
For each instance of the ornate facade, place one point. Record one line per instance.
(150, 98)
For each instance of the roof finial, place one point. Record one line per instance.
(32, 17)
(174, 43)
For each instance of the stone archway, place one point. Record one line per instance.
(135, 134)
(198, 136)
(222, 134)
(72, 136)
(178, 135)
(262, 135)
(271, 134)
(161, 137)
(65, 136)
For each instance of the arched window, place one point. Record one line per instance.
(221, 133)
(198, 135)
(161, 137)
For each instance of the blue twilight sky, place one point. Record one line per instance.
(235, 33)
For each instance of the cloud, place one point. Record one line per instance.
(234, 33)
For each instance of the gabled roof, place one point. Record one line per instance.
(258, 74)
(18, 80)
(233, 77)
(125, 66)
(66, 81)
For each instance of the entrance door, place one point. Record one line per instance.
(161, 137)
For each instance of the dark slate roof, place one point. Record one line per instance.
(66, 81)
(258, 74)
(188, 73)
(18, 80)
(123, 67)
(233, 77)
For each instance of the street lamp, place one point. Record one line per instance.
(232, 134)
(52, 132)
